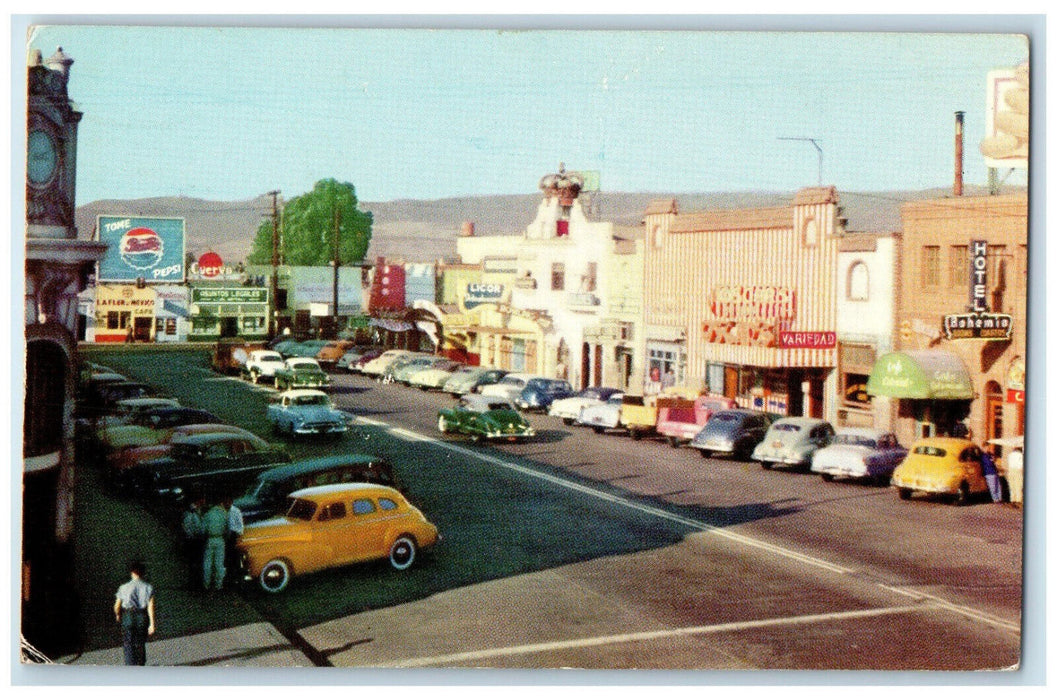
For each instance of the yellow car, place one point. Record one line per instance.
(334, 525)
(942, 465)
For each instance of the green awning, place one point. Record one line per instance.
(920, 374)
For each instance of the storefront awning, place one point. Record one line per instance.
(920, 374)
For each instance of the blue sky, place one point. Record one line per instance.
(230, 113)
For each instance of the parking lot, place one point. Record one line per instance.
(589, 550)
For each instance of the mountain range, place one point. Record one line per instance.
(426, 230)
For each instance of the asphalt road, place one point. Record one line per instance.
(596, 551)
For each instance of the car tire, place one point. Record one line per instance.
(964, 495)
(827, 477)
(634, 434)
(766, 465)
(881, 479)
(704, 453)
(275, 576)
(567, 421)
(402, 552)
(442, 424)
(673, 441)
(598, 429)
(255, 376)
(904, 494)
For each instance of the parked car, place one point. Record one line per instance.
(359, 363)
(859, 453)
(221, 463)
(733, 432)
(435, 376)
(104, 396)
(468, 379)
(540, 392)
(267, 496)
(944, 466)
(357, 352)
(126, 411)
(152, 427)
(229, 356)
(121, 464)
(305, 412)
(402, 370)
(680, 419)
(602, 416)
(792, 442)
(334, 525)
(509, 387)
(377, 367)
(300, 372)
(484, 417)
(305, 348)
(263, 363)
(332, 351)
(568, 408)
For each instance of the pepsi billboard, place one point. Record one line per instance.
(151, 248)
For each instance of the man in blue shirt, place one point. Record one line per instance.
(215, 527)
(134, 609)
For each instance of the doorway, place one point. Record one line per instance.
(141, 328)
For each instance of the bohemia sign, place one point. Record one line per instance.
(978, 323)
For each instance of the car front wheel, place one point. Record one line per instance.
(442, 424)
(402, 552)
(275, 576)
(963, 496)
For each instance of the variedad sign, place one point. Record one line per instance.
(978, 276)
(145, 248)
(978, 325)
(807, 339)
(738, 302)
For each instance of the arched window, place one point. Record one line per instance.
(858, 281)
(811, 232)
(656, 237)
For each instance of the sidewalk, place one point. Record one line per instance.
(258, 644)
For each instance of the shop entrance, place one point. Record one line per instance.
(141, 327)
(993, 412)
(229, 327)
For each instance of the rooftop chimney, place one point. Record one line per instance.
(959, 123)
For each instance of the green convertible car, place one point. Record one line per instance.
(484, 417)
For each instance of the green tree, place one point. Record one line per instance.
(308, 225)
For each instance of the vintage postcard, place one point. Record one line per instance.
(526, 348)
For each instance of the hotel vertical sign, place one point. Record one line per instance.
(978, 276)
(978, 322)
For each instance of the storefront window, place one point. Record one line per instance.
(858, 282)
(517, 355)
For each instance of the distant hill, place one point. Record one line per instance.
(425, 230)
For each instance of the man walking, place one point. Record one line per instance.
(987, 464)
(134, 609)
(215, 527)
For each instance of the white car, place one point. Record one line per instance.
(859, 453)
(568, 409)
(509, 387)
(602, 416)
(263, 363)
(377, 366)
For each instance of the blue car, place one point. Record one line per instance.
(539, 393)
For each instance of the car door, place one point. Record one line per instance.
(333, 534)
(367, 532)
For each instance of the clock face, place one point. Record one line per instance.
(41, 156)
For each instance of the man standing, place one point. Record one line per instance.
(987, 464)
(235, 528)
(215, 526)
(194, 534)
(134, 609)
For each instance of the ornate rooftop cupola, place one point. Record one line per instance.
(565, 186)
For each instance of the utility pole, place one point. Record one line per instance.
(274, 316)
(337, 263)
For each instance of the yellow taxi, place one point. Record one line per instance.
(334, 525)
(941, 465)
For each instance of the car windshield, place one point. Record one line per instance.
(271, 357)
(513, 381)
(930, 451)
(312, 400)
(787, 427)
(498, 406)
(185, 451)
(300, 509)
(726, 418)
(304, 364)
(860, 440)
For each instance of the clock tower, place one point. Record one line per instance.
(51, 149)
(58, 265)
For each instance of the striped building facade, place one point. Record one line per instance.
(744, 303)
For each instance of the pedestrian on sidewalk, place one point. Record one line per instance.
(194, 537)
(236, 525)
(215, 526)
(134, 609)
(987, 464)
